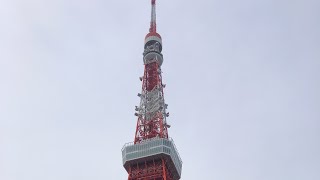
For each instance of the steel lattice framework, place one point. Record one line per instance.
(152, 155)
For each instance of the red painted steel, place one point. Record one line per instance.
(155, 169)
(153, 34)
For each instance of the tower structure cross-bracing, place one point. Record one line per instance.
(152, 155)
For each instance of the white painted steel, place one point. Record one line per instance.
(153, 57)
(152, 147)
(153, 38)
(151, 103)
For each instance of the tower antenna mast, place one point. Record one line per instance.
(153, 23)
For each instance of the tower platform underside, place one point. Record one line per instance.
(150, 150)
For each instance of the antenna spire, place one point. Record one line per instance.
(153, 23)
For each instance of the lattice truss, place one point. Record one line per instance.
(152, 110)
(150, 170)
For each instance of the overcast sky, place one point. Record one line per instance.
(243, 87)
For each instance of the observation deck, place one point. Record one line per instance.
(153, 149)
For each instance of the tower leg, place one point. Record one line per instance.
(164, 170)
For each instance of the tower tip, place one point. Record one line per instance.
(153, 23)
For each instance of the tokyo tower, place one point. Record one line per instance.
(152, 155)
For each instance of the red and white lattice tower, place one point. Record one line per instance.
(152, 155)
